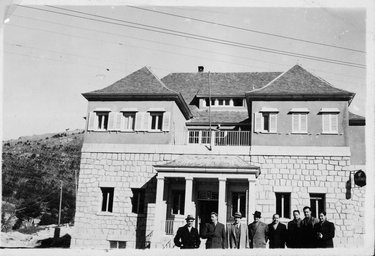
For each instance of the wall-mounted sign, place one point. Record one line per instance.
(360, 178)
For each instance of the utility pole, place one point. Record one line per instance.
(60, 202)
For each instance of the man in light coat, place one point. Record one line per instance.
(258, 232)
(237, 234)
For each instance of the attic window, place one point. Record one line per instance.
(238, 102)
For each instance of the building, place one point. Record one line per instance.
(279, 141)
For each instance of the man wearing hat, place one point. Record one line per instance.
(187, 236)
(237, 234)
(258, 232)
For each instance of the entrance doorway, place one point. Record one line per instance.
(205, 207)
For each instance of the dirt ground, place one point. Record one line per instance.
(17, 239)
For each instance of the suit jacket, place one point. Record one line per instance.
(258, 235)
(308, 235)
(186, 239)
(277, 236)
(294, 234)
(235, 242)
(328, 231)
(215, 235)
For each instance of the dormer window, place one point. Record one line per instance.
(224, 102)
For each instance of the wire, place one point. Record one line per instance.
(157, 42)
(207, 39)
(243, 29)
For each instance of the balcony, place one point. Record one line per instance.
(219, 138)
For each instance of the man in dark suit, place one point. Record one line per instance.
(325, 232)
(237, 234)
(307, 229)
(276, 233)
(214, 232)
(187, 236)
(258, 232)
(294, 231)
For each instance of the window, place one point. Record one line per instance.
(238, 102)
(265, 122)
(299, 122)
(156, 121)
(102, 120)
(178, 202)
(226, 102)
(206, 137)
(117, 244)
(317, 204)
(107, 199)
(239, 203)
(129, 121)
(138, 200)
(330, 122)
(194, 137)
(283, 205)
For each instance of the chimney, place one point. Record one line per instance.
(200, 69)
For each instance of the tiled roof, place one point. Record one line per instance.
(298, 81)
(220, 117)
(212, 161)
(142, 81)
(356, 119)
(222, 84)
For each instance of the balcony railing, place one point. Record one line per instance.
(171, 226)
(219, 138)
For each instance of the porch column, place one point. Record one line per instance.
(252, 199)
(222, 205)
(158, 228)
(188, 195)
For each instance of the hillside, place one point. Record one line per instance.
(32, 170)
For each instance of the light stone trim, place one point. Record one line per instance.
(321, 190)
(216, 150)
(282, 189)
(110, 184)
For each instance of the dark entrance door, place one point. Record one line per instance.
(205, 208)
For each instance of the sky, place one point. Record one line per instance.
(51, 56)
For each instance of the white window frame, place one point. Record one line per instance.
(333, 120)
(100, 126)
(158, 122)
(283, 204)
(300, 115)
(272, 120)
(180, 202)
(124, 124)
(108, 199)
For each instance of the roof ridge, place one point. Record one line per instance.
(328, 83)
(160, 81)
(269, 83)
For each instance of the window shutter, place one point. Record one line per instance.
(325, 122)
(146, 121)
(92, 121)
(119, 121)
(258, 124)
(273, 122)
(303, 122)
(334, 123)
(295, 123)
(166, 121)
(139, 116)
(112, 121)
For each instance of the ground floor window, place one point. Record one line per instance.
(107, 199)
(117, 244)
(317, 204)
(138, 200)
(239, 203)
(283, 205)
(178, 203)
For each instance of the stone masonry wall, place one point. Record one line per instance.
(129, 170)
(302, 175)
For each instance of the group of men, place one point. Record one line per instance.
(307, 233)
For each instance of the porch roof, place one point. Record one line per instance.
(208, 164)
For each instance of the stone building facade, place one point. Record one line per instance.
(135, 193)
